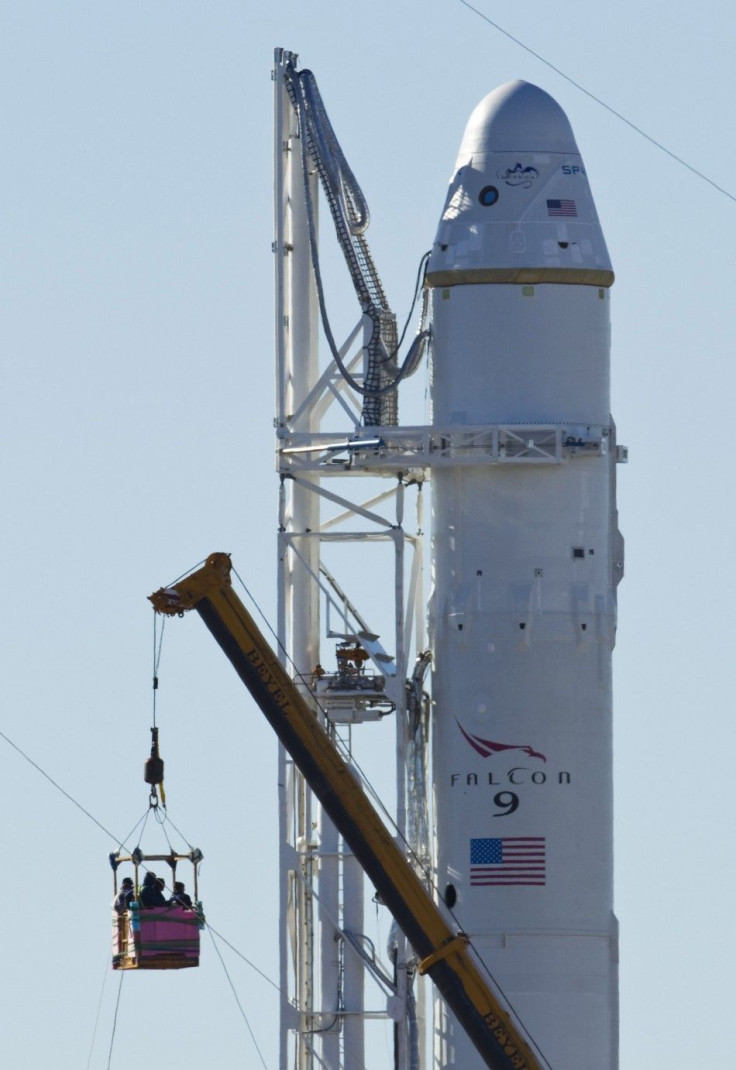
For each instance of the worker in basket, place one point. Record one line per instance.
(151, 894)
(180, 897)
(124, 896)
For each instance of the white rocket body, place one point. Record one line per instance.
(526, 559)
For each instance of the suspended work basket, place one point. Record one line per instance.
(154, 937)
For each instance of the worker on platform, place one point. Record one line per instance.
(151, 894)
(180, 897)
(124, 896)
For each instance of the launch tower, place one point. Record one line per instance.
(514, 825)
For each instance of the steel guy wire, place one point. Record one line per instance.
(237, 1000)
(99, 1008)
(115, 1019)
(602, 103)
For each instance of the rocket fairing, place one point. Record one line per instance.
(526, 559)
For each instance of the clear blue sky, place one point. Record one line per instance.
(136, 428)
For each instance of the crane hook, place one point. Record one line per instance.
(153, 772)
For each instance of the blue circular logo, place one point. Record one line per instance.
(488, 196)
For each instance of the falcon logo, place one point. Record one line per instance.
(487, 747)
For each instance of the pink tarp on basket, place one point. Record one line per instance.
(165, 935)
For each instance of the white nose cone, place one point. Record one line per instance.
(519, 207)
(518, 117)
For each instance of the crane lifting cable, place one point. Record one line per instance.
(349, 210)
(153, 770)
(151, 931)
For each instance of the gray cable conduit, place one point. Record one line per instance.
(351, 216)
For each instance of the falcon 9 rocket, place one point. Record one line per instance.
(526, 560)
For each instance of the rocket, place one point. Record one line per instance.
(526, 558)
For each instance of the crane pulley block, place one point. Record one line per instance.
(153, 771)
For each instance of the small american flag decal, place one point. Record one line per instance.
(561, 208)
(508, 861)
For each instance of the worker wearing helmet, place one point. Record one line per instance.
(151, 894)
(180, 897)
(124, 896)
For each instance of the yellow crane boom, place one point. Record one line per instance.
(444, 953)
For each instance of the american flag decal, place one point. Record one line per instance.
(507, 861)
(561, 208)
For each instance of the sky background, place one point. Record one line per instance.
(136, 437)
